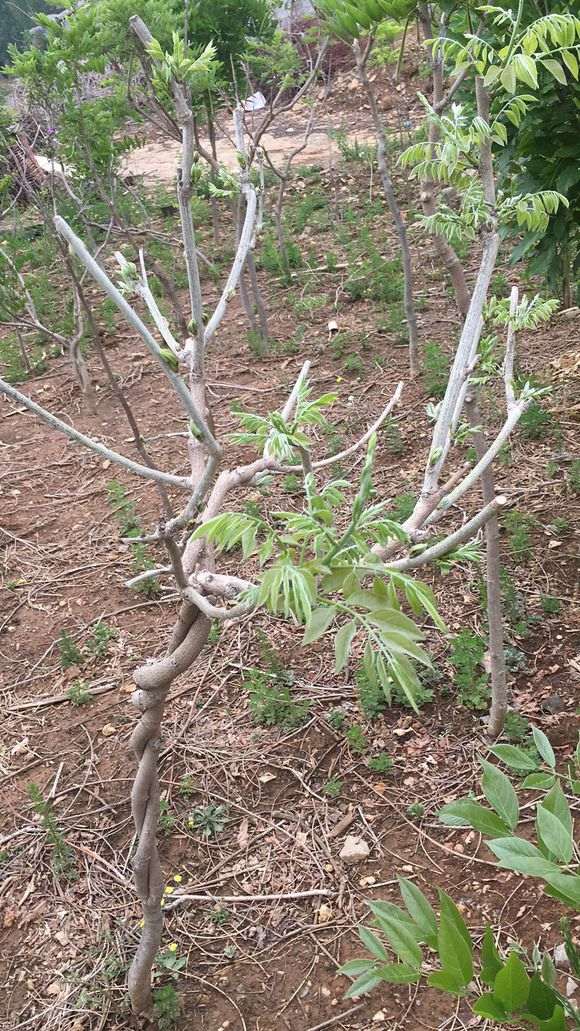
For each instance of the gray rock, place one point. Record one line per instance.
(354, 850)
(560, 958)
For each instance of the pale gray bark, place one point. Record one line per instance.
(495, 622)
(394, 208)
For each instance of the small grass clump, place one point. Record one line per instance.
(78, 693)
(550, 606)
(381, 763)
(537, 423)
(357, 740)
(209, 820)
(271, 701)
(333, 787)
(467, 654)
(435, 370)
(518, 527)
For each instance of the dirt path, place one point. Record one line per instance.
(156, 160)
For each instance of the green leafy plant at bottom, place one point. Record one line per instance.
(69, 653)
(381, 763)
(333, 787)
(521, 988)
(435, 370)
(166, 1007)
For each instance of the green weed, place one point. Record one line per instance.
(69, 653)
(292, 484)
(516, 727)
(550, 605)
(574, 476)
(333, 787)
(271, 701)
(391, 436)
(78, 693)
(166, 1007)
(101, 636)
(435, 370)
(166, 817)
(357, 740)
(402, 506)
(467, 654)
(209, 820)
(353, 364)
(381, 763)
(336, 719)
(537, 423)
(63, 861)
(519, 540)
(415, 811)
(129, 524)
(515, 659)
(186, 786)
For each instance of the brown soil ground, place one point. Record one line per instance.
(256, 965)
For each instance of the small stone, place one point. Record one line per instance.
(326, 992)
(561, 958)
(379, 1017)
(354, 850)
(367, 882)
(55, 988)
(553, 703)
(108, 730)
(571, 987)
(324, 914)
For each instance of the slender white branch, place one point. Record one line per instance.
(464, 533)
(144, 291)
(244, 246)
(100, 277)
(472, 327)
(93, 445)
(366, 437)
(510, 350)
(147, 575)
(292, 399)
(474, 474)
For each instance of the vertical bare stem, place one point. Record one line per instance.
(444, 250)
(495, 622)
(391, 198)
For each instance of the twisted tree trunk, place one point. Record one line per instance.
(153, 682)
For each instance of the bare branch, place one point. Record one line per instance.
(145, 471)
(474, 474)
(212, 611)
(464, 533)
(508, 365)
(244, 246)
(133, 319)
(323, 462)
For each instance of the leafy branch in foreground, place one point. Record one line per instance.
(319, 571)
